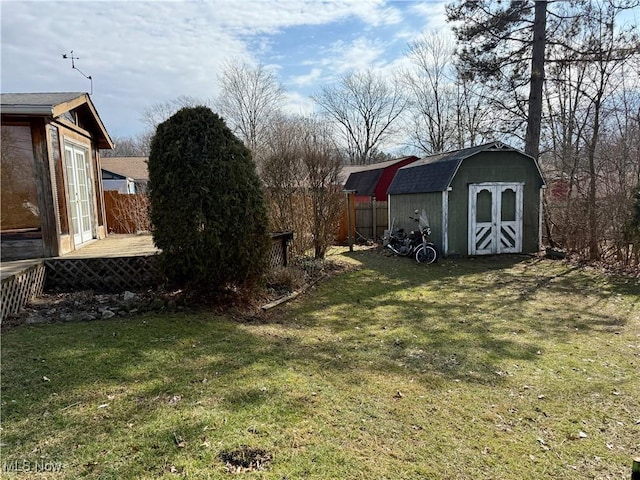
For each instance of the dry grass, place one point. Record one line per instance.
(501, 368)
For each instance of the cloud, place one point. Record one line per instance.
(299, 104)
(308, 79)
(145, 52)
(361, 53)
(433, 13)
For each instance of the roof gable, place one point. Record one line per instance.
(54, 105)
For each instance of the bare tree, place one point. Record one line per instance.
(250, 97)
(474, 117)
(137, 146)
(611, 51)
(284, 175)
(431, 87)
(591, 124)
(157, 113)
(301, 166)
(321, 157)
(444, 112)
(365, 106)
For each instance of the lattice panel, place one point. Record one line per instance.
(113, 274)
(278, 257)
(18, 289)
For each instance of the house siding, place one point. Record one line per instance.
(401, 207)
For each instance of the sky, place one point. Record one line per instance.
(141, 53)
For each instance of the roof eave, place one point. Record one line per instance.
(33, 110)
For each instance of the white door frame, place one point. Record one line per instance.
(79, 192)
(498, 235)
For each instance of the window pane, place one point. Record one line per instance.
(508, 206)
(483, 206)
(19, 195)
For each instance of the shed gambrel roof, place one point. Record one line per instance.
(436, 172)
(55, 104)
(365, 179)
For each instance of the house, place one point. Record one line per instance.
(372, 181)
(125, 174)
(52, 201)
(369, 185)
(479, 200)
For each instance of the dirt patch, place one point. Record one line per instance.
(245, 459)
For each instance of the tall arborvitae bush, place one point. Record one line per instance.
(206, 204)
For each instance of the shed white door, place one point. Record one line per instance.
(495, 218)
(79, 188)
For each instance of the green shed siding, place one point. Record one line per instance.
(445, 181)
(401, 207)
(503, 167)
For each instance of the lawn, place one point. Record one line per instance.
(492, 368)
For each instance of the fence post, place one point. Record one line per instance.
(349, 194)
(374, 213)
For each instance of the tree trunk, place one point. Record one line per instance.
(534, 116)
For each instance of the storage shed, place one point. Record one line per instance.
(52, 201)
(480, 200)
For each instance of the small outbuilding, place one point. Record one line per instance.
(369, 185)
(480, 200)
(52, 200)
(372, 181)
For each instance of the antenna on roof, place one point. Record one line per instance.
(73, 65)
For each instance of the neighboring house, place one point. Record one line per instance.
(369, 185)
(112, 182)
(125, 174)
(52, 200)
(479, 200)
(372, 181)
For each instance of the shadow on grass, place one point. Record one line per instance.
(74, 387)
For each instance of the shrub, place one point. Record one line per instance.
(206, 205)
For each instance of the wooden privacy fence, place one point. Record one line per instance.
(368, 225)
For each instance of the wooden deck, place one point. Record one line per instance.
(9, 269)
(116, 246)
(112, 246)
(116, 263)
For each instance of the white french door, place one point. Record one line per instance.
(79, 189)
(495, 218)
